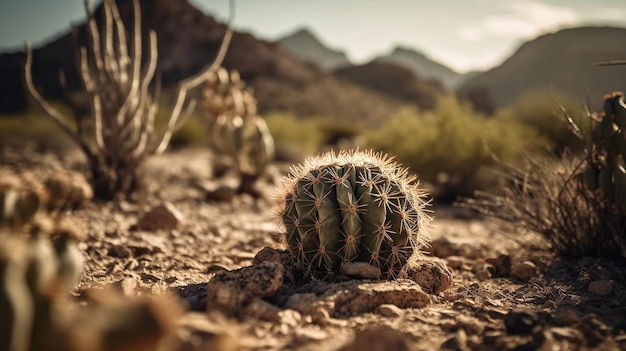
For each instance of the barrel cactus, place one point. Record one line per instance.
(352, 207)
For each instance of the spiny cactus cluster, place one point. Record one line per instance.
(22, 197)
(237, 130)
(606, 168)
(40, 262)
(352, 207)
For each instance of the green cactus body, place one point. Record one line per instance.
(352, 207)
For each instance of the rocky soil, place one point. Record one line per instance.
(220, 255)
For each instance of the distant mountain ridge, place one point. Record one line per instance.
(304, 44)
(187, 41)
(307, 46)
(424, 67)
(563, 61)
(395, 81)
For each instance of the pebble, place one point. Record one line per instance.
(432, 275)
(501, 264)
(601, 288)
(162, 217)
(524, 271)
(483, 271)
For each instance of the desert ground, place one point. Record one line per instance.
(506, 290)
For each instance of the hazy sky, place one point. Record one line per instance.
(464, 34)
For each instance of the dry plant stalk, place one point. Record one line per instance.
(122, 103)
(550, 198)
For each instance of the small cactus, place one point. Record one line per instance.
(606, 169)
(237, 130)
(352, 207)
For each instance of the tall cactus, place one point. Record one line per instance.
(237, 130)
(352, 207)
(606, 169)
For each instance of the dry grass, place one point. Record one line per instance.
(550, 199)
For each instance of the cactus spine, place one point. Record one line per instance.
(606, 169)
(237, 130)
(352, 207)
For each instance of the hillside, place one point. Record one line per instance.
(395, 81)
(187, 41)
(307, 46)
(563, 61)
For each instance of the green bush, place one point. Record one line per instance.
(295, 138)
(193, 133)
(451, 146)
(30, 126)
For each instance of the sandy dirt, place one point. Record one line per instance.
(507, 291)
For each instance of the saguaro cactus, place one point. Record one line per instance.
(352, 207)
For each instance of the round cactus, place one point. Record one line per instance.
(352, 207)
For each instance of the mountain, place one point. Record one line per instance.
(563, 61)
(305, 45)
(424, 67)
(395, 81)
(187, 41)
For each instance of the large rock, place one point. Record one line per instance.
(240, 292)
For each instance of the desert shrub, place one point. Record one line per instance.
(295, 138)
(192, 133)
(576, 202)
(28, 127)
(548, 198)
(338, 133)
(545, 111)
(450, 146)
